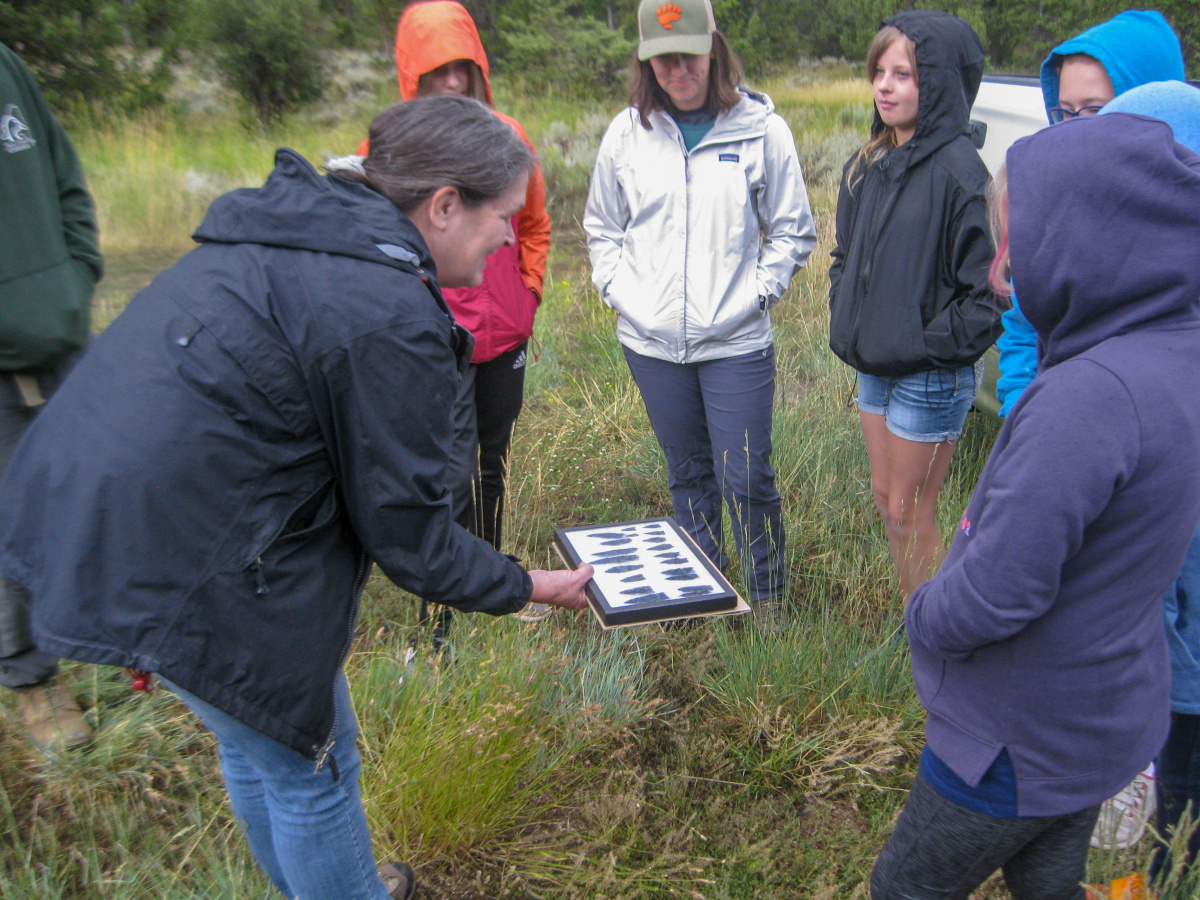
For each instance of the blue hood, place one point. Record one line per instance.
(1104, 222)
(1134, 47)
(1176, 103)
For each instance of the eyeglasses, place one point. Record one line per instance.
(1061, 113)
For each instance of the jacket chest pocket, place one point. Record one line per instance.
(723, 198)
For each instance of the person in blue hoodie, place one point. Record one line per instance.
(1078, 78)
(1038, 649)
(1178, 764)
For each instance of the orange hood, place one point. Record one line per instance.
(432, 34)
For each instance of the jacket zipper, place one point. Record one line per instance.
(324, 751)
(880, 214)
(687, 211)
(260, 579)
(687, 205)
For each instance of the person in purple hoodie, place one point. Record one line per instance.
(1038, 649)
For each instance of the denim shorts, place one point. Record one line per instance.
(929, 406)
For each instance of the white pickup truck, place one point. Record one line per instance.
(1011, 107)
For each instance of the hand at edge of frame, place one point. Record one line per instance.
(562, 587)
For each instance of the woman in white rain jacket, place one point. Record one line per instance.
(697, 219)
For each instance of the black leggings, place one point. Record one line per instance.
(21, 663)
(485, 413)
(942, 851)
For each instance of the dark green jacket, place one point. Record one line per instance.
(49, 245)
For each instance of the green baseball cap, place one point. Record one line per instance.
(675, 26)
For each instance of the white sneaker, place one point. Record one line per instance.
(1123, 819)
(410, 663)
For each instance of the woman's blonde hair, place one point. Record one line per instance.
(886, 139)
(999, 275)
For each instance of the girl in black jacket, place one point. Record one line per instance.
(910, 306)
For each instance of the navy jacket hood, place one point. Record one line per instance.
(949, 71)
(299, 209)
(1134, 225)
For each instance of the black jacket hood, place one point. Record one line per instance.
(300, 209)
(1104, 225)
(949, 71)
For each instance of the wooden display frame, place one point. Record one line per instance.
(647, 570)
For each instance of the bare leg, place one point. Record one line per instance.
(906, 477)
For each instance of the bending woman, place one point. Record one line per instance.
(909, 304)
(266, 419)
(697, 219)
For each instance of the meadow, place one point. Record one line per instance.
(547, 761)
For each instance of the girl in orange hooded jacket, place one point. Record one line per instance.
(438, 51)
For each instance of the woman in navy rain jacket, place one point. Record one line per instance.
(204, 496)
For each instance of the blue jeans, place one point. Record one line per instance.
(1177, 783)
(713, 422)
(929, 407)
(1178, 780)
(307, 829)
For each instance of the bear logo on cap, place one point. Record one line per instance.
(668, 13)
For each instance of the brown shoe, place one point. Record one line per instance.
(399, 880)
(52, 716)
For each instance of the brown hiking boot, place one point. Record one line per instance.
(399, 880)
(52, 716)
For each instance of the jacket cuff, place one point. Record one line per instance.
(518, 603)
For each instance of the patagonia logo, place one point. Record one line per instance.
(728, 157)
(14, 133)
(668, 13)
